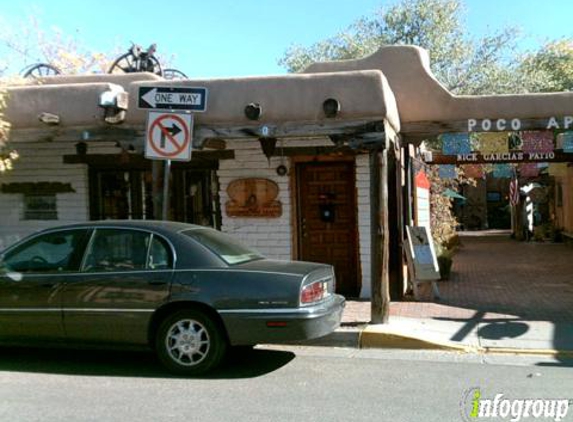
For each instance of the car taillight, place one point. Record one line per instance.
(314, 292)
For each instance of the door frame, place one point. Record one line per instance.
(295, 203)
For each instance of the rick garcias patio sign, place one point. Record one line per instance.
(504, 147)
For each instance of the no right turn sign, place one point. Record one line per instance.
(168, 136)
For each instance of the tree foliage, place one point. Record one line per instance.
(550, 68)
(463, 64)
(30, 44)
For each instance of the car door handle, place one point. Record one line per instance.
(157, 282)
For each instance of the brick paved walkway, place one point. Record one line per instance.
(494, 276)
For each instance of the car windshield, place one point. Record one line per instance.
(229, 249)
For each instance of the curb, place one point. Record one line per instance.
(374, 337)
(532, 352)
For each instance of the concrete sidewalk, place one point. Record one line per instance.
(474, 336)
(487, 335)
(504, 296)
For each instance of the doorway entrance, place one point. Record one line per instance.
(327, 231)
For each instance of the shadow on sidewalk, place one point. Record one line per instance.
(508, 333)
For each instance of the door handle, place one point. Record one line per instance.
(157, 282)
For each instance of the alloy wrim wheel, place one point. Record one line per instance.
(189, 342)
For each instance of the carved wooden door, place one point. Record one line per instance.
(327, 229)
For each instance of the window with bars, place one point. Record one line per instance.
(40, 206)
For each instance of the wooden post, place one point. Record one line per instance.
(407, 188)
(380, 305)
(395, 232)
(375, 252)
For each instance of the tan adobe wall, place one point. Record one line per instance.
(295, 99)
(422, 98)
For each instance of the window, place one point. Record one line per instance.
(159, 256)
(40, 207)
(51, 252)
(117, 250)
(230, 250)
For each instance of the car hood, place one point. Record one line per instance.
(280, 266)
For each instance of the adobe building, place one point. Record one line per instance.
(314, 166)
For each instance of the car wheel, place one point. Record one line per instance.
(189, 342)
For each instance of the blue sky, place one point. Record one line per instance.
(246, 37)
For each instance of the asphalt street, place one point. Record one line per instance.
(271, 384)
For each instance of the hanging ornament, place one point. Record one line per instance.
(502, 171)
(493, 142)
(455, 143)
(447, 171)
(282, 168)
(565, 141)
(539, 141)
(528, 170)
(474, 171)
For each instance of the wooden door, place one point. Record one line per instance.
(327, 230)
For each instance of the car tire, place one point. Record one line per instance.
(188, 342)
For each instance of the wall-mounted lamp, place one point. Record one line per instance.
(331, 107)
(49, 118)
(115, 103)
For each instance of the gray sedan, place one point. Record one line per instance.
(186, 291)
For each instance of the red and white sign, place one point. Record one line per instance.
(168, 136)
(422, 199)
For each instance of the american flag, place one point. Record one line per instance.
(513, 192)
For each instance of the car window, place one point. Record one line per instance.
(230, 250)
(47, 253)
(159, 255)
(117, 250)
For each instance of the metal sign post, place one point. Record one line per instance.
(169, 134)
(166, 174)
(168, 138)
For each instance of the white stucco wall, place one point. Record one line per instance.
(42, 161)
(273, 236)
(363, 202)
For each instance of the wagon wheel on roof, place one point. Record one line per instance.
(174, 74)
(39, 70)
(136, 60)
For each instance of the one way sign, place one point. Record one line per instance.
(173, 98)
